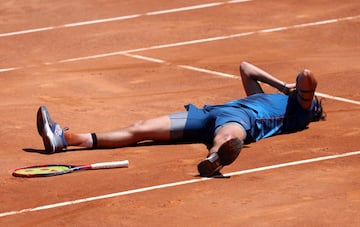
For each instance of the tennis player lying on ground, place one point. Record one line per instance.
(222, 128)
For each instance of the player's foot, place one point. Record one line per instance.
(227, 154)
(51, 132)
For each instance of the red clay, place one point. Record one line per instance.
(109, 92)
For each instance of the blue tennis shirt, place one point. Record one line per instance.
(262, 115)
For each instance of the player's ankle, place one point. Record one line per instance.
(79, 140)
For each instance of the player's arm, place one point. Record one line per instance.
(251, 75)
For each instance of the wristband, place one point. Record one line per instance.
(94, 139)
(283, 89)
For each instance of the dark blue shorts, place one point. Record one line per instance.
(201, 123)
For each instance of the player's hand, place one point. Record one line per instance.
(288, 89)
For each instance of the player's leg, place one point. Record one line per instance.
(228, 142)
(227, 132)
(165, 128)
(56, 139)
(156, 129)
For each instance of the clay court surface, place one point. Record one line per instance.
(100, 65)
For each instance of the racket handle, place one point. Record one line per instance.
(108, 165)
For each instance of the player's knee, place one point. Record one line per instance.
(223, 137)
(137, 127)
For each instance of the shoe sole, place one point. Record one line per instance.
(42, 121)
(227, 154)
(207, 168)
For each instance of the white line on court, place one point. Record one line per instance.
(51, 206)
(190, 42)
(211, 39)
(238, 78)
(337, 98)
(127, 17)
(128, 54)
(156, 187)
(9, 69)
(146, 58)
(208, 71)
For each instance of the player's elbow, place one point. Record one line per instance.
(245, 69)
(244, 65)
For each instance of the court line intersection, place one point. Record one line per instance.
(128, 53)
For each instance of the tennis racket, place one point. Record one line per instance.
(58, 169)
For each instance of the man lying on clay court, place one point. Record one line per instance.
(222, 128)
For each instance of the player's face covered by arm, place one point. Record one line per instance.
(305, 88)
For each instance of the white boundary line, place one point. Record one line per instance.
(211, 39)
(168, 185)
(337, 98)
(184, 43)
(208, 71)
(127, 17)
(128, 52)
(50, 206)
(9, 69)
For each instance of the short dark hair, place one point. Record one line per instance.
(317, 110)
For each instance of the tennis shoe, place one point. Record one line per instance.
(227, 154)
(51, 132)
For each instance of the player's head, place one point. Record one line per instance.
(305, 86)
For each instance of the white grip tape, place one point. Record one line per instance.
(108, 165)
